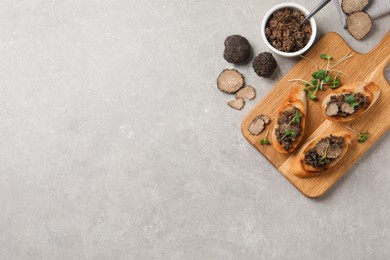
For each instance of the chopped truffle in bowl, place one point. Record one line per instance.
(283, 32)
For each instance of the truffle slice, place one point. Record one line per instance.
(237, 104)
(359, 25)
(335, 152)
(237, 49)
(321, 147)
(230, 81)
(332, 109)
(351, 6)
(264, 64)
(247, 92)
(258, 124)
(347, 108)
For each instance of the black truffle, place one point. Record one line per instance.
(237, 49)
(264, 64)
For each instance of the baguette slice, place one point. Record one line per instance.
(296, 98)
(302, 170)
(370, 90)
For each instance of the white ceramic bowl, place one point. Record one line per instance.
(304, 11)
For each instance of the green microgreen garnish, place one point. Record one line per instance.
(334, 84)
(324, 156)
(321, 74)
(297, 118)
(311, 95)
(322, 77)
(363, 136)
(288, 132)
(265, 140)
(326, 57)
(346, 57)
(352, 101)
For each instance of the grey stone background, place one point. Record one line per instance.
(116, 144)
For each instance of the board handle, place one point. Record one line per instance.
(380, 55)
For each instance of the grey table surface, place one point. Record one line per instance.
(116, 144)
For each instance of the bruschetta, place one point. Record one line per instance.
(290, 122)
(321, 154)
(350, 101)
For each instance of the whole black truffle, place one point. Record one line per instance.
(264, 64)
(237, 49)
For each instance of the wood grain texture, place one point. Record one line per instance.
(361, 67)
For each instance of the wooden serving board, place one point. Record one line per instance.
(361, 67)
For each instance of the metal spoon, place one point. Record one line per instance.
(315, 10)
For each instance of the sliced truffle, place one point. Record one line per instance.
(326, 151)
(258, 124)
(321, 146)
(351, 6)
(237, 49)
(264, 64)
(332, 109)
(237, 104)
(347, 108)
(335, 151)
(338, 105)
(359, 25)
(230, 81)
(247, 92)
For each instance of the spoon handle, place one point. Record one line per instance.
(315, 10)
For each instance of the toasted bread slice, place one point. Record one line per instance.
(296, 98)
(302, 170)
(370, 90)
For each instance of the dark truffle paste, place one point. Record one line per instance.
(285, 32)
(287, 124)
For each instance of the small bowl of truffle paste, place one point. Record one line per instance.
(283, 32)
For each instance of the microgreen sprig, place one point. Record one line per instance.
(288, 132)
(297, 118)
(328, 58)
(352, 101)
(363, 136)
(306, 58)
(324, 156)
(346, 57)
(322, 77)
(265, 140)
